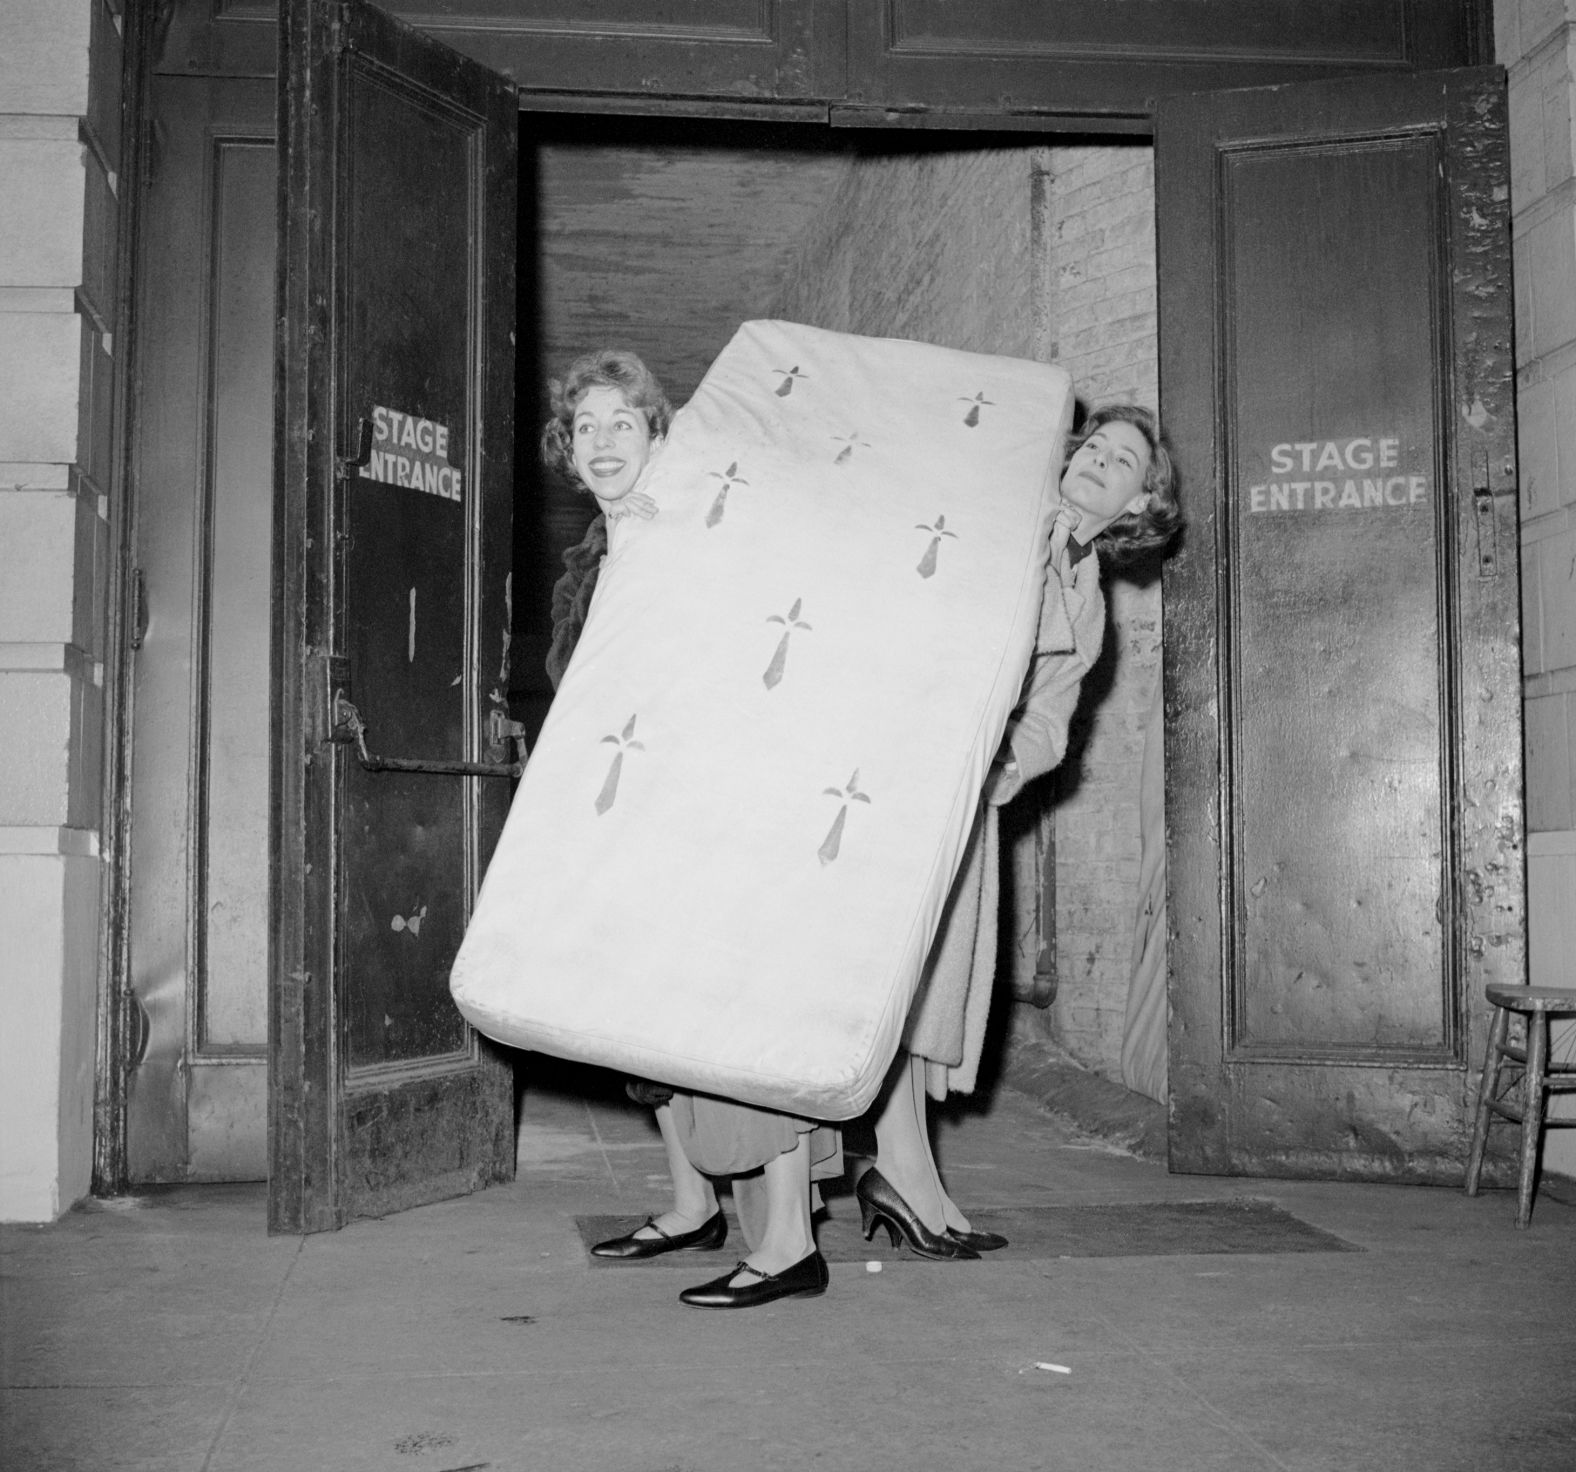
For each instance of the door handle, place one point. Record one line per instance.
(348, 727)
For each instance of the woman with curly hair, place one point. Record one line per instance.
(1118, 504)
(609, 419)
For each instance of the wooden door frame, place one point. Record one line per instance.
(117, 1033)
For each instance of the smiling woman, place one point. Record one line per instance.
(609, 415)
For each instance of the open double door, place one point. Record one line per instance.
(1342, 683)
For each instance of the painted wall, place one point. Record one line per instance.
(1536, 41)
(59, 152)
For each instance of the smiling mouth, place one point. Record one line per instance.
(606, 467)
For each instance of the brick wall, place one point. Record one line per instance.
(1536, 41)
(59, 161)
(1102, 268)
(1044, 253)
(932, 246)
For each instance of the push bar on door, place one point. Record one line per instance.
(350, 728)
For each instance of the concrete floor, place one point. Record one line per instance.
(169, 1332)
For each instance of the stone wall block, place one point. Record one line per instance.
(1521, 266)
(1551, 257)
(37, 711)
(1564, 434)
(100, 230)
(40, 363)
(89, 617)
(1527, 171)
(1537, 447)
(48, 910)
(38, 560)
(1538, 20)
(84, 774)
(1533, 661)
(1551, 803)
(1551, 942)
(44, 61)
(1559, 113)
(32, 912)
(1556, 557)
(43, 182)
(96, 407)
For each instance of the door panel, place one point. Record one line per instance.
(752, 51)
(1092, 58)
(395, 364)
(198, 937)
(1343, 712)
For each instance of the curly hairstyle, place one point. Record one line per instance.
(605, 368)
(1136, 534)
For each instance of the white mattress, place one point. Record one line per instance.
(748, 911)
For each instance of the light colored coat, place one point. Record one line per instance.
(946, 1024)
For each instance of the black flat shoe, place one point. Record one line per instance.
(978, 1241)
(805, 1279)
(879, 1204)
(707, 1237)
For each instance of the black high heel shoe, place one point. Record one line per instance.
(879, 1204)
(978, 1241)
(707, 1237)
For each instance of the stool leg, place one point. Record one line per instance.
(1532, 1110)
(1486, 1087)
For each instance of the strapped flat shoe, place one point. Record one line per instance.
(978, 1241)
(804, 1279)
(880, 1205)
(707, 1237)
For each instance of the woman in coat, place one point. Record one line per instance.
(1118, 496)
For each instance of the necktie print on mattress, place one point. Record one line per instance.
(785, 388)
(848, 442)
(624, 741)
(927, 563)
(834, 838)
(774, 671)
(972, 418)
(729, 478)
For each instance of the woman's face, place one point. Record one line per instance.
(612, 442)
(1105, 477)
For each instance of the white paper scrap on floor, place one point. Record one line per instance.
(732, 844)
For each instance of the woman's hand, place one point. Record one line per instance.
(635, 503)
(1002, 781)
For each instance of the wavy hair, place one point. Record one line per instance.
(1135, 535)
(605, 368)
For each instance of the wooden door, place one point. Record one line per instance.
(394, 377)
(197, 910)
(1343, 713)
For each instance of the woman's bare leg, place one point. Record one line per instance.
(786, 1237)
(694, 1197)
(903, 1150)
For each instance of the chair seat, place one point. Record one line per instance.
(1552, 999)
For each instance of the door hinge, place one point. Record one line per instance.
(138, 610)
(1486, 502)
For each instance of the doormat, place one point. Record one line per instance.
(1125, 1229)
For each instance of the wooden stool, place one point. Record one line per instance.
(1538, 1078)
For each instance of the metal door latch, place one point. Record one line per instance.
(348, 727)
(1486, 501)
